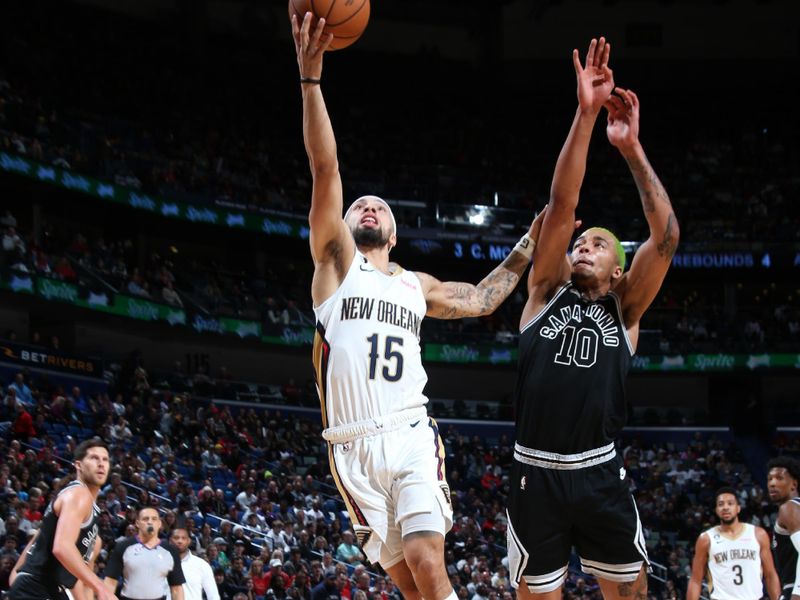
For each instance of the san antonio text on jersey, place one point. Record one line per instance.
(573, 360)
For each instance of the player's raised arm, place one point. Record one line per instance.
(329, 237)
(457, 299)
(653, 258)
(699, 563)
(595, 83)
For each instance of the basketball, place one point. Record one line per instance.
(346, 20)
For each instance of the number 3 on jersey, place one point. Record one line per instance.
(578, 348)
(392, 356)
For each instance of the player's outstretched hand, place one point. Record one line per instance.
(310, 44)
(595, 78)
(623, 119)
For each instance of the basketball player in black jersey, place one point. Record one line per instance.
(578, 332)
(56, 559)
(782, 481)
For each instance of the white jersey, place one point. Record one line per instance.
(734, 565)
(367, 355)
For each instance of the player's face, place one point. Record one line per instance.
(93, 468)
(148, 519)
(594, 257)
(727, 508)
(371, 224)
(780, 485)
(180, 539)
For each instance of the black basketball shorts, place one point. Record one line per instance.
(29, 587)
(550, 510)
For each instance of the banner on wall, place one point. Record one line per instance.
(196, 213)
(26, 355)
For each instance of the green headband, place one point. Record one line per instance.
(617, 246)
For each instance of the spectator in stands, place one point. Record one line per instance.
(8, 409)
(137, 285)
(120, 431)
(22, 428)
(23, 392)
(300, 588)
(328, 588)
(276, 572)
(6, 564)
(297, 316)
(347, 551)
(274, 537)
(215, 556)
(13, 248)
(236, 576)
(170, 295)
(246, 497)
(276, 316)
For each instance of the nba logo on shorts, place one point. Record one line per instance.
(622, 473)
(346, 447)
(522, 483)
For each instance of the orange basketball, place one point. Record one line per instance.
(345, 19)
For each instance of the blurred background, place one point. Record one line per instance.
(155, 272)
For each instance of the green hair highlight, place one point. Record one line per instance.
(621, 259)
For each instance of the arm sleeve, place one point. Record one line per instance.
(175, 576)
(208, 583)
(115, 564)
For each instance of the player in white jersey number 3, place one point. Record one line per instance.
(735, 556)
(385, 453)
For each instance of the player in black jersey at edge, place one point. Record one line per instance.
(578, 332)
(56, 558)
(782, 481)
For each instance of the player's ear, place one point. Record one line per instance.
(616, 273)
(392, 241)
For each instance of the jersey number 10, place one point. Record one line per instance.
(578, 348)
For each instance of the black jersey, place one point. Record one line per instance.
(40, 561)
(573, 360)
(785, 554)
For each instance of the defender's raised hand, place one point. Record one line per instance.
(310, 45)
(623, 119)
(595, 79)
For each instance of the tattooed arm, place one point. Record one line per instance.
(456, 299)
(640, 285)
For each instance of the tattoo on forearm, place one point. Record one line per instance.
(464, 300)
(649, 185)
(667, 246)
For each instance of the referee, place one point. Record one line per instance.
(145, 564)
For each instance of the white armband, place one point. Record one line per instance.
(525, 246)
(795, 537)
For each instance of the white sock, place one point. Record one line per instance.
(452, 596)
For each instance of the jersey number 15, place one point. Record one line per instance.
(391, 355)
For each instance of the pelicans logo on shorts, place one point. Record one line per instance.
(446, 492)
(362, 534)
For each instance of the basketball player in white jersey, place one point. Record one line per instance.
(385, 453)
(734, 555)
